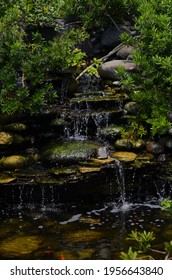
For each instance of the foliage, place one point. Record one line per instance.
(143, 250)
(35, 11)
(167, 204)
(151, 85)
(95, 13)
(24, 63)
(168, 247)
(142, 238)
(130, 255)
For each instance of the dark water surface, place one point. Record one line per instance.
(79, 230)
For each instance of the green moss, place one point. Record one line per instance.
(69, 152)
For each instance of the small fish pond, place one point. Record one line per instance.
(88, 226)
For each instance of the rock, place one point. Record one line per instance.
(102, 153)
(13, 162)
(18, 139)
(145, 157)
(89, 169)
(123, 144)
(131, 108)
(124, 52)
(108, 69)
(5, 178)
(15, 127)
(97, 161)
(125, 156)
(110, 38)
(154, 148)
(138, 144)
(166, 141)
(6, 139)
(111, 132)
(64, 171)
(128, 145)
(69, 152)
(58, 122)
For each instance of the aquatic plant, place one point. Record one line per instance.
(142, 238)
(143, 249)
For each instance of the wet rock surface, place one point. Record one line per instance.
(125, 156)
(69, 152)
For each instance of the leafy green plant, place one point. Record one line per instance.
(167, 204)
(168, 247)
(130, 255)
(142, 238)
(95, 13)
(151, 85)
(24, 65)
(144, 250)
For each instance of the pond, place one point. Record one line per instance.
(83, 227)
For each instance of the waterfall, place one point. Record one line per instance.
(121, 181)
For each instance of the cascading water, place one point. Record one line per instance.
(121, 181)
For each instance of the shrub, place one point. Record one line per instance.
(151, 85)
(95, 13)
(24, 64)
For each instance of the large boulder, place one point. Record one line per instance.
(108, 69)
(69, 152)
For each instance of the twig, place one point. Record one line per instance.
(102, 59)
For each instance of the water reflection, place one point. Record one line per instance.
(78, 231)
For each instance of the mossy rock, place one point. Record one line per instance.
(145, 157)
(5, 178)
(131, 108)
(58, 122)
(125, 156)
(13, 162)
(84, 170)
(128, 145)
(19, 246)
(100, 162)
(111, 132)
(123, 144)
(6, 139)
(64, 171)
(69, 152)
(15, 127)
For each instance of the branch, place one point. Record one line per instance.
(102, 59)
